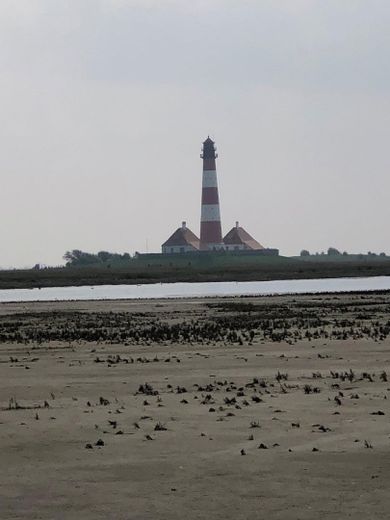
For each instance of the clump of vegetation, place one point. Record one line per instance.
(13, 404)
(256, 399)
(160, 427)
(147, 389)
(281, 377)
(308, 389)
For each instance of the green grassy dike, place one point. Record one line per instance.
(185, 269)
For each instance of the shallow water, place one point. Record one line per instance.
(182, 290)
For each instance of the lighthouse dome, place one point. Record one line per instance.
(208, 151)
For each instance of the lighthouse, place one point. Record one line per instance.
(210, 221)
(237, 241)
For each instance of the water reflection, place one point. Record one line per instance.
(181, 290)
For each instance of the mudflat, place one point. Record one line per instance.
(231, 408)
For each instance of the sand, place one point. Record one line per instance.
(238, 440)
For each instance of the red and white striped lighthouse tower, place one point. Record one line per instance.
(210, 221)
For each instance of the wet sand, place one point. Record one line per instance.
(281, 426)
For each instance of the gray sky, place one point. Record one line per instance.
(104, 105)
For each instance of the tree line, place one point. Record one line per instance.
(77, 258)
(332, 251)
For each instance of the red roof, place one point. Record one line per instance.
(238, 236)
(182, 237)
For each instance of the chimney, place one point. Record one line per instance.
(237, 224)
(184, 225)
(210, 221)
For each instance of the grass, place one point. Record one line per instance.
(201, 268)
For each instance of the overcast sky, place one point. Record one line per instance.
(104, 105)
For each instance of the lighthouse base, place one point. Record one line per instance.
(217, 246)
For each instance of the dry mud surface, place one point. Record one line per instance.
(269, 407)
